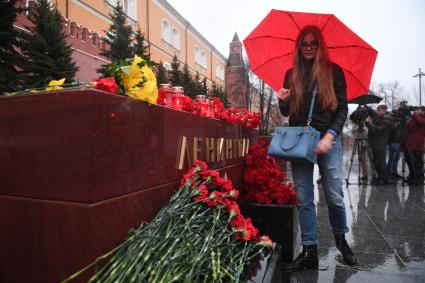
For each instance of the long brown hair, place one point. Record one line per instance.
(321, 73)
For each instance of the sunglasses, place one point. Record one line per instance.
(313, 44)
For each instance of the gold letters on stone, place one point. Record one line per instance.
(214, 150)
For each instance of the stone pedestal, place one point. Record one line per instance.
(79, 168)
(279, 222)
(266, 268)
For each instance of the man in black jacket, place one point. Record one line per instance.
(378, 130)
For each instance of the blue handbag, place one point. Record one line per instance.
(296, 143)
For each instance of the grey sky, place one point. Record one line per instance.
(396, 28)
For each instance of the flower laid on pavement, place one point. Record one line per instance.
(199, 236)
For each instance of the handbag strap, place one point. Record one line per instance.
(313, 99)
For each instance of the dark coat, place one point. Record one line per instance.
(322, 120)
(378, 131)
(394, 134)
(416, 132)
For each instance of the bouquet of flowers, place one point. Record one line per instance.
(241, 117)
(199, 236)
(133, 78)
(264, 182)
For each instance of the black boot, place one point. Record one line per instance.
(347, 253)
(307, 259)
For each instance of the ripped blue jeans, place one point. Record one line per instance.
(330, 167)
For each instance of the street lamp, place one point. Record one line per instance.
(419, 75)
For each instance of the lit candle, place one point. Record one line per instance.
(177, 102)
(203, 111)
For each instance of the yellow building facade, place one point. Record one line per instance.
(166, 31)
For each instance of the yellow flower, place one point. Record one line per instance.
(133, 75)
(55, 85)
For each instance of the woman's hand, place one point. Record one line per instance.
(325, 144)
(283, 94)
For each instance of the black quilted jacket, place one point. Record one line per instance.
(322, 120)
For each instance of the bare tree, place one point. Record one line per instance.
(392, 93)
(395, 92)
(260, 97)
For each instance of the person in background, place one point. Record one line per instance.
(311, 68)
(393, 149)
(378, 129)
(413, 153)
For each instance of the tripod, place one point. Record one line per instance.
(360, 147)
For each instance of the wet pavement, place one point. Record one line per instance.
(387, 232)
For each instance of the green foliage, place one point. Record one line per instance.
(217, 91)
(10, 59)
(115, 68)
(204, 86)
(176, 78)
(187, 241)
(48, 56)
(161, 74)
(118, 38)
(198, 88)
(188, 83)
(139, 47)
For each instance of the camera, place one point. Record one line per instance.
(403, 111)
(360, 114)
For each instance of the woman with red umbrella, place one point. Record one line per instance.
(312, 68)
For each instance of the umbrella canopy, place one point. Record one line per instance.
(368, 98)
(271, 45)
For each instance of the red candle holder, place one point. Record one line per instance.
(211, 112)
(178, 98)
(204, 108)
(202, 105)
(165, 95)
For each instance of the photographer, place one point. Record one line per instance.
(413, 145)
(394, 147)
(378, 130)
(358, 117)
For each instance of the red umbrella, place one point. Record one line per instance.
(271, 45)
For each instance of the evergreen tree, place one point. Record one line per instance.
(204, 86)
(48, 56)
(118, 38)
(139, 47)
(161, 74)
(10, 59)
(188, 83)
(176, 74)
(197, 85)
(217, 91)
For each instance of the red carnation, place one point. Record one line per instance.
(106, 84)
